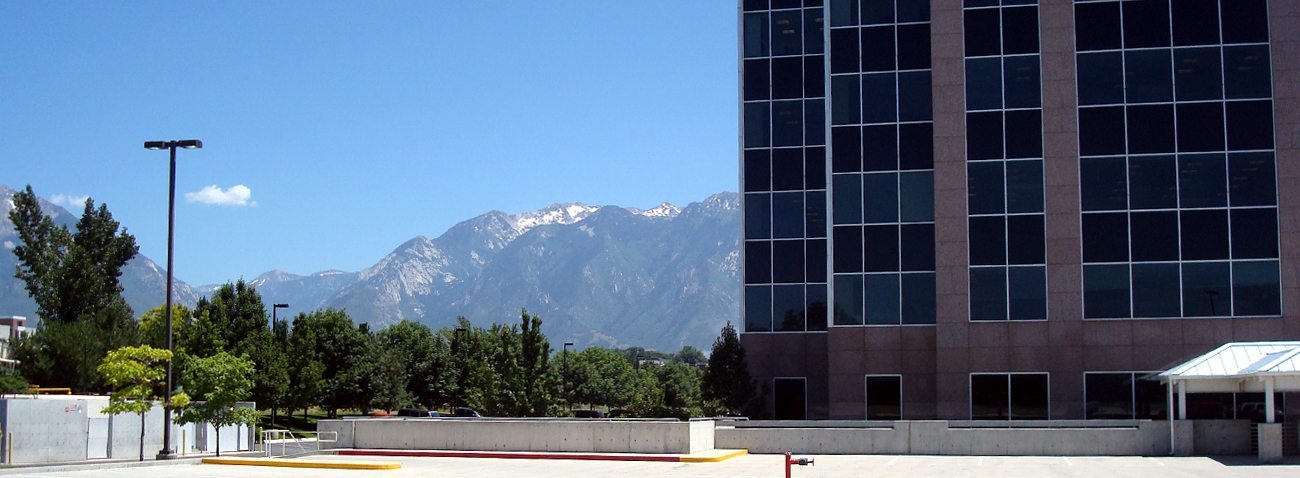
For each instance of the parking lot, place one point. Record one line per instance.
(744, 466)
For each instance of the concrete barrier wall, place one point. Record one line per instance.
(940, 438)
(1221, 437)
(615, 436)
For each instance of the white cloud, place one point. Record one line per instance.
(9, 245)
(238, 195)
(73, 202)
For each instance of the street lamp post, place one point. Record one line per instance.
(564, 361)
(274, 308)
(167, 452)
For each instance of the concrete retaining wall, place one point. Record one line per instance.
(612, 436)
(1058, 438)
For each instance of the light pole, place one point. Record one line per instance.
(564, 361)
(167, 452)
(277, 338)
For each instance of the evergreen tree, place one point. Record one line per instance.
(727, 380)
(536, 399)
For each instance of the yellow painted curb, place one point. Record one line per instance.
(293, 463)
(714, 457)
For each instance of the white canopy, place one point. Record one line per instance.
(1239, 367)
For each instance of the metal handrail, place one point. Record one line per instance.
(286, 437)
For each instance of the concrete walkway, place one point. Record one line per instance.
(751, 466)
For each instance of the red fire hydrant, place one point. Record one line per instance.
(795, 461)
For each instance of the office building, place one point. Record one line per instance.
(1013, 209)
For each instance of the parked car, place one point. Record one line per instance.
(588, 414)
(416, 412)
(465, 413)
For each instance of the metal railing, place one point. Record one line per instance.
(286, 440)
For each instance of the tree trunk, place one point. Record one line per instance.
(273, 414)
(141, 437)
(218, 428)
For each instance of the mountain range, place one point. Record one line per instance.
(597, 275)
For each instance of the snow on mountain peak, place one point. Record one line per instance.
(554, 214)
(664, 209)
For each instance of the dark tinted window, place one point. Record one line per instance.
(812, 30)
(787, 215)
(814, 73)
(1024, 186)
(988, 397)
(844, 12)
(787, 261)
(988, 240)
(1108, 396)
(983, 83)
(814, 124)
(787, 34)
(1197, 74)
(848, 299)
(983, 32)
(984, 187)
(1101, 130)
(844, 99)
(1255, 288)
(1147, 76)
(758, 216)
(755, 5)
(1206, 289)
(757, 86)
(1254, 233)
(815, 259)
(984, 135)
(917, 241)
(1105, 291)
(1028, 292)
(1101, 78)
(787, 123)
(878, 49)
(1146, 23)
(1200, 180)
(914, 47)
(1029, 396)
(1200, 127)
(758, 262)
(787, 78)
(914, 96)
(916, 146)
(882, 299)
(880, 248)
(757, 128)
(918, 298)
(1246, 71)
(880, 147)
(880, 198)
(1155, 290)
(814, 168)
(879, 104)
(758, 170)
(1195, 22)
(816, 300)
(1020, 75)
(756, 35)
(848, 248)
(1250, 125)
(1154, 235)
(884, 398)
(1025, 239)
(788, 308)
(787, 169)
(916, 196)
(1151, 129)
(846, 195)
(815, 214)
(1152, 182)
(988, 293)
(913, 10)
(1105, 237)
(1204, 234)
(1102, 183)
(1019, 30)
(877, 13)
(1097, 26)
(844, 45)
(790, 399)
(846, 155)
(1245, 22)
(1251, 179)
(758, 308)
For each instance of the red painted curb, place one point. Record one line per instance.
(513, 455)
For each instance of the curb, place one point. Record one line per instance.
(294, 463)
(712, 456)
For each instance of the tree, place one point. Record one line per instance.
(536, 399)
(153, 326)
(219, 382)
(73, 276)
(306, 373)
(233, 319)
(423, 357)
(328, 337)
(690, 356)
(11, 382)
(727, 380)
(136, 374)
(603, 377)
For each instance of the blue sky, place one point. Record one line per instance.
(356, 126)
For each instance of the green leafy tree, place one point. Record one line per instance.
(219, 382)
(603, 377)
(424, 360)
(690, 356)
(727, 380)
(271, 381)
(306, 373)
(11, 382)
(536, 398)
(389, 383)
(328, 337)
(472, 368)
(233, 319)
(136, 374)
(73, 276)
